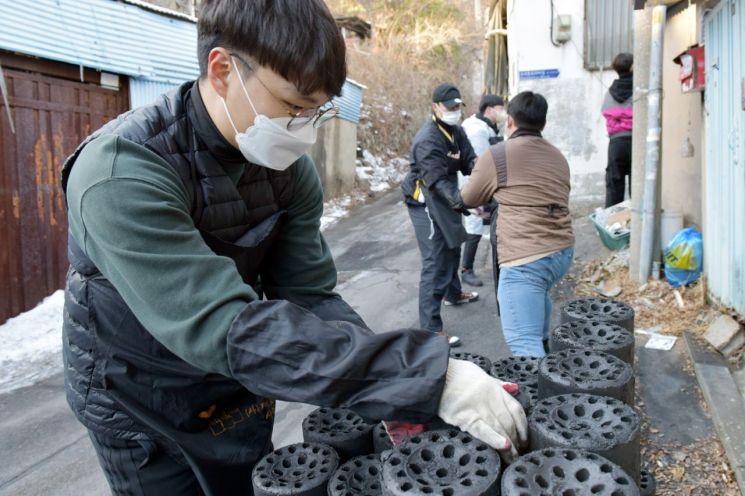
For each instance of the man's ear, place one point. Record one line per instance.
(219, 67)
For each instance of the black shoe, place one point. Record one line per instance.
(468, 277)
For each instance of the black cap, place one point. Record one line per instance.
(446, 94)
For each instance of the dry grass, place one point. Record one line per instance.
(654, 303)
(416, 45)
(396, 103)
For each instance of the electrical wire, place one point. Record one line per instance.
(551, 29)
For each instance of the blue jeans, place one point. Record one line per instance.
(524, 301)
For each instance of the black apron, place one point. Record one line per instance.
(220, 429)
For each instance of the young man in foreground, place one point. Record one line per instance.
(201, 289)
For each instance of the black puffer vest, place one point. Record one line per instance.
(119, 380)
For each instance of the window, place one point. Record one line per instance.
(609, 30)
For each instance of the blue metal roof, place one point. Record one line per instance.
(106, 35)
(157, 51)
(350, 101)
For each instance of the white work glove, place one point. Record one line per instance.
(478, 403)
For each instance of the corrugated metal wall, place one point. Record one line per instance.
(350, 101)
(51, 116)
(143, 92)
(609, 30)
(724, 230)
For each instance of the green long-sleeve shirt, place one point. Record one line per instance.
(132, 220)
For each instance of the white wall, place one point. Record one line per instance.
(575, 124)
(682, 184)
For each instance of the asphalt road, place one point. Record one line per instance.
(45, 451)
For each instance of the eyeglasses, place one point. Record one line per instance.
(317, 116)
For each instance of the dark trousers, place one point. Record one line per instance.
(439, 277)
(469, 250)
(135, 468)
(619, 166)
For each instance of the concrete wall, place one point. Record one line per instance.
(335, 154)
(575, 124)
(682, 184)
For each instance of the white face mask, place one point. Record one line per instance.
(451, 117)
(500, 116)
(268, 142)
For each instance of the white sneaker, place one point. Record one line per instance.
(453, 341)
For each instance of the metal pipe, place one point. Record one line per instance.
(654, 134)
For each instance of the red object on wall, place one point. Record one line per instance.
(692, 69)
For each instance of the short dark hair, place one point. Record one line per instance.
(528, 110)
(297, 39)
(490, 101)
(622, 63)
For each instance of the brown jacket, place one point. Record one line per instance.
(531, 185)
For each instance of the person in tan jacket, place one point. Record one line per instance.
(529, 179)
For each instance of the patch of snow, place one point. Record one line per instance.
(380, 173)
(335, 209)
(31, 344)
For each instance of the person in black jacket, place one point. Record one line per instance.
(200, 287)
(440, 149)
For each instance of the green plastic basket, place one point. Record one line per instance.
(611, 241)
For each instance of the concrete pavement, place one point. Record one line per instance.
(43, 448)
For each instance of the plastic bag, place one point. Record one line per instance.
(684, 256)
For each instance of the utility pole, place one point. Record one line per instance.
(650, 204)
(642, 36)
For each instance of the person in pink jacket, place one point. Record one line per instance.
(618, 110)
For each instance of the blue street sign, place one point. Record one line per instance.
(540, 74)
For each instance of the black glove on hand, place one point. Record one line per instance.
(448, 191)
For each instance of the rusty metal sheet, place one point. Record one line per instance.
(51, 116)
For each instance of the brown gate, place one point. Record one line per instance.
(52, 112)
